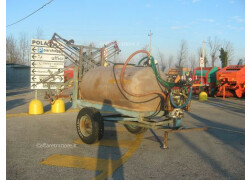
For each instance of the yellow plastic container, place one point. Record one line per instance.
(58, 106)
(35, 107)
(203, 96)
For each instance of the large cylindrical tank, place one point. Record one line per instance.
(102, 85)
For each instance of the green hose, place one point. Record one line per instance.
(164, 83)
(186, 90)
(158, 77)
(139, 63)
(170, 84)
(167, 84)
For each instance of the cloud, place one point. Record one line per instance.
(193, 22)
(178, 27)
(195, 1)
(218, 32)
(235, 27)
(238, 19)
(148, 5)
(183, 2)
(206, 20)
(210, 20)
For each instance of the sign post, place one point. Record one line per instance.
(44, 62)
(202, 59)
(201, 65)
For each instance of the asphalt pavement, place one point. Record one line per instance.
(47, 146)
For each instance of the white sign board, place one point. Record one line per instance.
(44, 43)
(46, 57)
(43, 50)
(44, 72)
(46, 78)
(46, 63)
(41, 86)
(202, 62)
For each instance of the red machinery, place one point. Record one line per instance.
(231, 81)
(68, 73)
(208, 82)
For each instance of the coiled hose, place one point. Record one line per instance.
(183, 105)
(122, 77)
(169, 84)
(158, 77)
(139, 63)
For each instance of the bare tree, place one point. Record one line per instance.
(12, 53)
(192, 61)
(145, 47)
(91, 46)
(23, 49)
(170, 61)
(228, 47)
(118, 58)
(214, 47)
(142, 55)
(39, 33)
(182, 54)
(162, 61)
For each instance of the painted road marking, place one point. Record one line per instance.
(111, 143)
(48, 112)
(107, 166)
(88, 163)
(117, 128)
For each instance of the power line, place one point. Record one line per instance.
(30, 14)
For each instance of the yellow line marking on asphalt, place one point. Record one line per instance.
(132, 149)
(107, 166)
(16, 115)
(88, 163)
(107, 128)
(47, 112)
(109, 142)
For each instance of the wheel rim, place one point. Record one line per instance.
(85, 125)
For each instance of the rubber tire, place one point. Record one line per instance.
(135, 130)
(97, 125)
(101, 123)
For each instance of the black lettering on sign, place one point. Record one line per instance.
(41, 43)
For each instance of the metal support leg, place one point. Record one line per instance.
(75, 89)
(165, 141)
(224, 92)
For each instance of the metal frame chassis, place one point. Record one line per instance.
(131, 118)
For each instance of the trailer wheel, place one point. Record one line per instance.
(135, 129)
(89, 125)
(101, 124)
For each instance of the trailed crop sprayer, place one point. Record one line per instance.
(137, 96)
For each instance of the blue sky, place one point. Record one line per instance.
(129, 22)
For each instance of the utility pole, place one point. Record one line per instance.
(203, 56)
(150, 41)
(203, 49)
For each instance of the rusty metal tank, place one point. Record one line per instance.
(101, 85)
